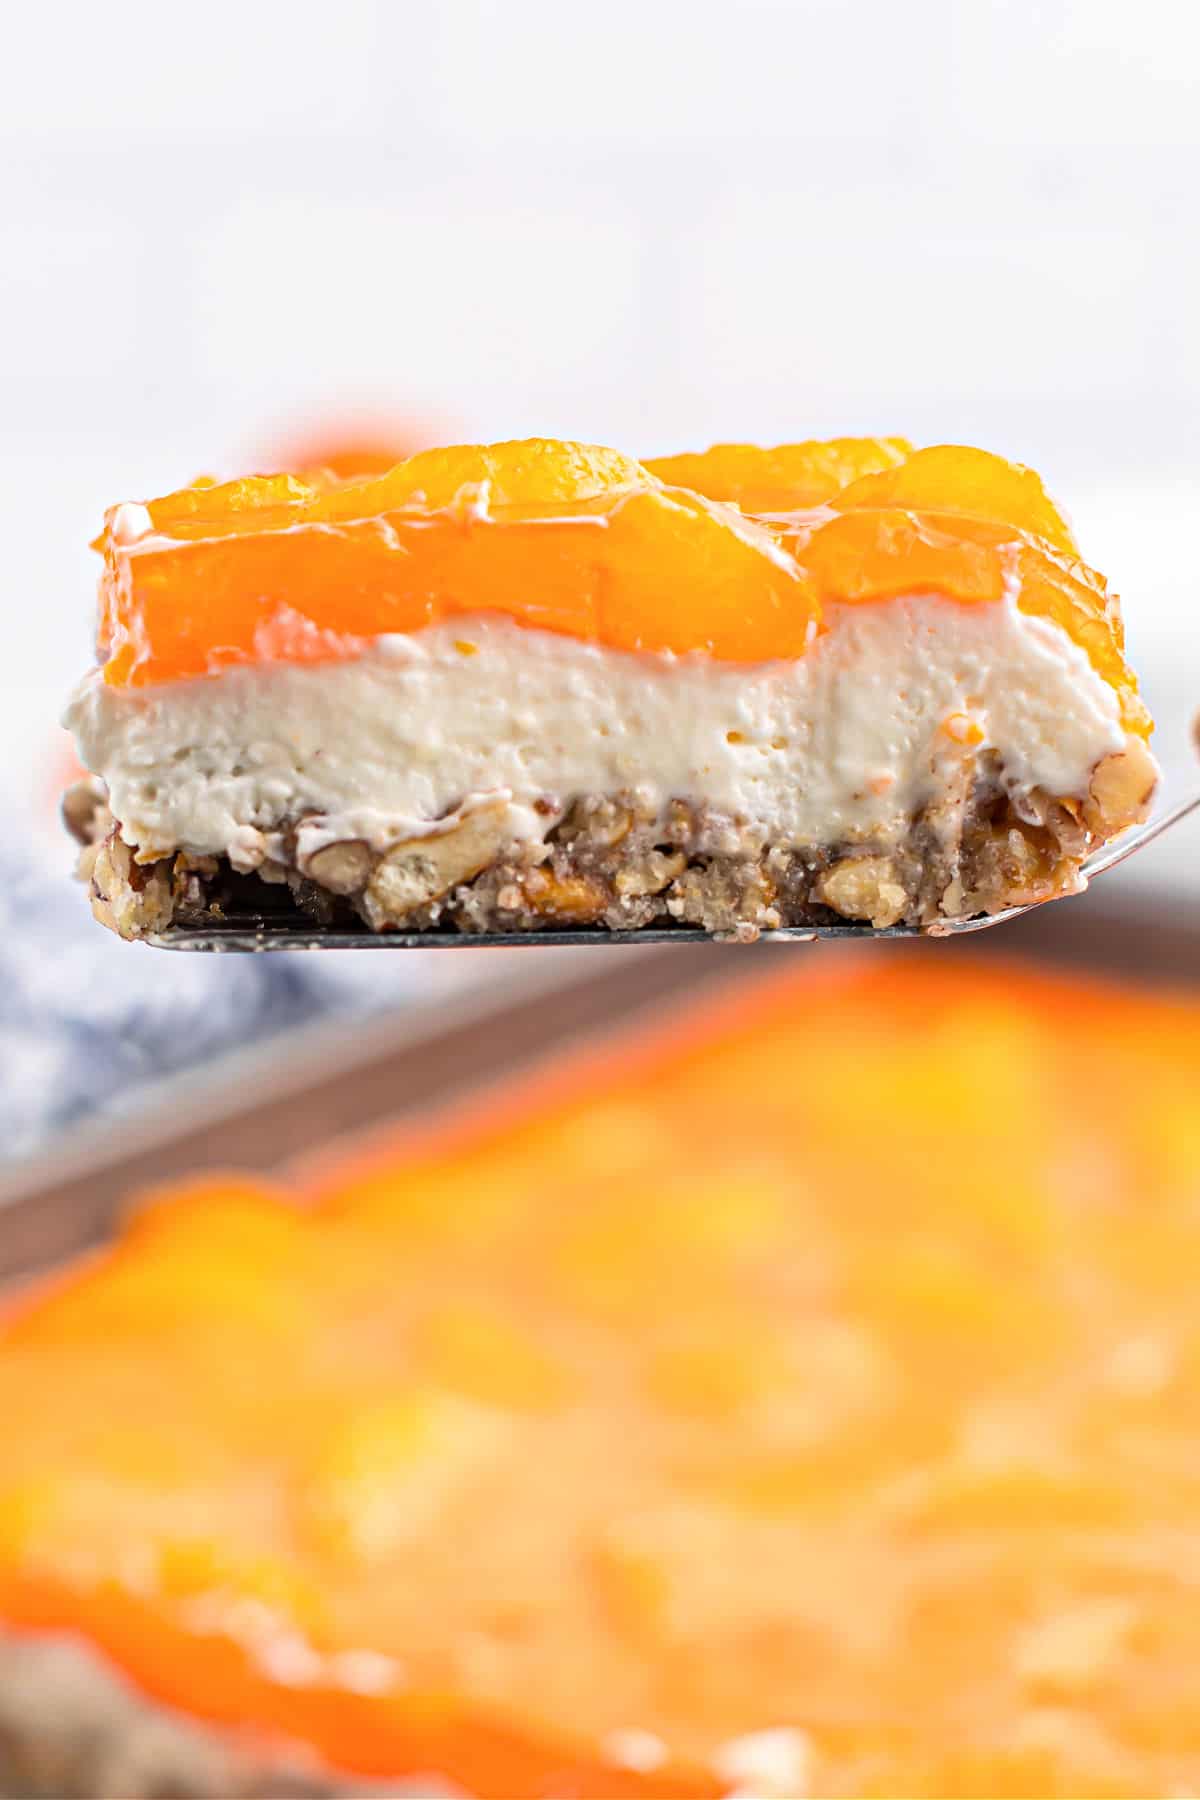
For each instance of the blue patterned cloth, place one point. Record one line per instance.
(86, 1020)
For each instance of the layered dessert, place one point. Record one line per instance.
(500, 688)
(651, 1430)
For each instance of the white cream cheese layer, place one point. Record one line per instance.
(844, 743)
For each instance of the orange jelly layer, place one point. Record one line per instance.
(739, 559)
(662, 1396)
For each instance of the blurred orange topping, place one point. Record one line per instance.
(360, 448)
(661, 1397)
(737, 553)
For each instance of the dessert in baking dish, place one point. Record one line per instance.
(499, 688)
(657, 1430)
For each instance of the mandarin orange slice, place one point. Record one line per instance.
(955, 479)
(566, 1445)
(787, 478)
(476, 479)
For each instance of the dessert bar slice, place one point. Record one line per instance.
(540, 683)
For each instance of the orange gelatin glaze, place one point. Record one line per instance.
(655, 1402)
(737, 559)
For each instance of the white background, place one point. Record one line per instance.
(652, 222)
